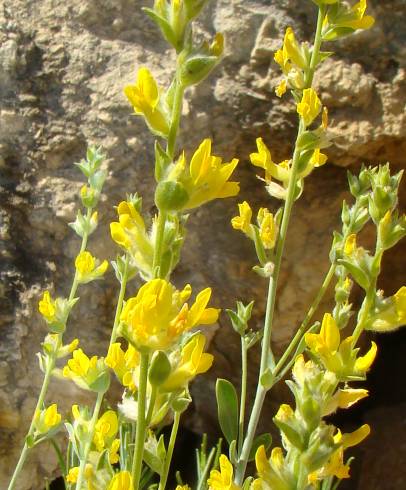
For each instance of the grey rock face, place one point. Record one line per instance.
(62, 69)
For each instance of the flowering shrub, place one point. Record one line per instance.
(156, 349)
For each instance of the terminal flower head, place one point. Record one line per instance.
(145, 98)
(159, 314)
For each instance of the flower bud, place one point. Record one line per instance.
(160, 369)
(170, 196)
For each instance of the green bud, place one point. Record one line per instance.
(170, 196)
(181, 403)
(196, 65)
(160, 368)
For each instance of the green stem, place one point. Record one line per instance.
(47, 375)
(89, 441)
(244, 372)
(169, 453)
(159, 239)
(309, 315)
(316, 47)
(120, 300)
(141, 425)
(154, 391)
(176, 115)
(267, 359)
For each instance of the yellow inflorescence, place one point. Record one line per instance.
(159, 314)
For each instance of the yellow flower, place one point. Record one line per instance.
(390, 314)
(159, 314)
(318, 159)
(86, 373)
(272, 472)
(350, 245)
(336, 356)
(309, 107)
(335, 465)
(52, 417)
(193, 361)
(223, 479)
(268, 228)
(47, 419)
(121, 481)
(123, 363)
(47, 307)
(344, 398)
(105, 430)
(359, 20)
(130, 233)
(145, 98)
(290, 52)
(263, 159)
(73, 474)
(281, 88)
(87, 267)
(243, 221)
(205, 178)
(182, 487)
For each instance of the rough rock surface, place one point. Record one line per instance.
(62, 69)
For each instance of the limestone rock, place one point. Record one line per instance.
(62, 69)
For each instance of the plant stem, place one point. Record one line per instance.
(120, 300)
(89, 440)
(243, 393)
(159, 239)
(176, 115)
(151, 406)
(48, 373)
(169, 453)
(267, 359)
(309, 315)
(141, 425)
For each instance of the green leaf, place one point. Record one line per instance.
(261, 440)
(227, 408)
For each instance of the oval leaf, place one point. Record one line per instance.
(227, 407)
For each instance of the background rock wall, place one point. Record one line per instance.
(62, 68)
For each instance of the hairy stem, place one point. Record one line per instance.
(169, 453)
(141, 419)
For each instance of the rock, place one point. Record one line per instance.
(62, 72)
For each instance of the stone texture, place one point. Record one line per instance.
(62, 69)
